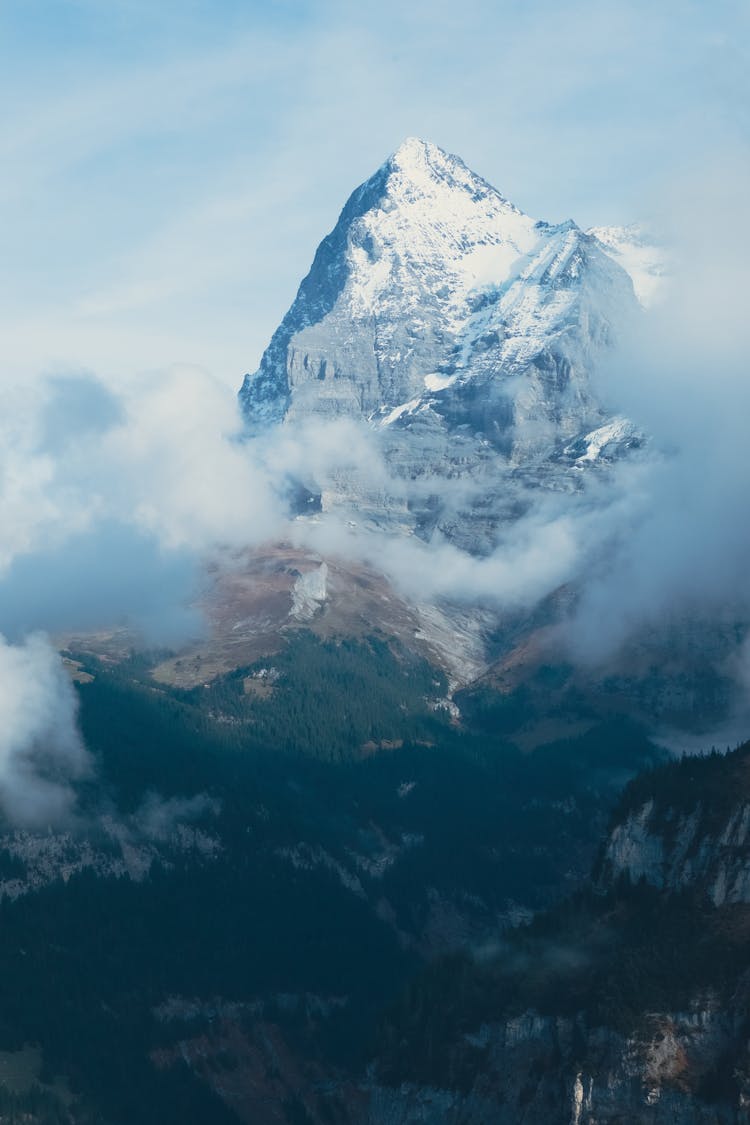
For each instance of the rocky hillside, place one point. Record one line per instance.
(687, 829)
(627, 1003)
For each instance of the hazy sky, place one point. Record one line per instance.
(169, 168)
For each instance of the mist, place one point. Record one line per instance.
(680, 540)
(111, 502)
(41, 752)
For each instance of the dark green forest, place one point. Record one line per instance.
(461, 816)
(606, 956)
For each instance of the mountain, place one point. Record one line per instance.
(356, 854)
(464, 334)
(433, 282)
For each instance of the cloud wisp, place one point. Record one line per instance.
(109, 505)
(681, 543)
(41, 752)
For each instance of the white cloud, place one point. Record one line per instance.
(682, 539)
(162, 455)
(41, 752)
(110, 502)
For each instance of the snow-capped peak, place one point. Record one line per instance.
(425, 165)
(432, 283)
(434, 229)
(414, 154)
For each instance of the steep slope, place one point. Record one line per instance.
(687, 827)
(431, 279)
(464, 333)
(628, 1003)
(257, 865)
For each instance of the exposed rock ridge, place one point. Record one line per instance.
(558, 1071)
(674, 849)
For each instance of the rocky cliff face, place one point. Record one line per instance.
(673, 850)
(464, 334)
(644, 1016)
(544, 1071)
(695, 839)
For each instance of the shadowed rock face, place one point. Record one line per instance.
(680, 836)
(462, 331)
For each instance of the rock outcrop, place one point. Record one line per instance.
(662, 1034)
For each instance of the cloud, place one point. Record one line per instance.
(113, 502)
(188, 480)
(537, 554)
(75, 409)
(110, 502)
(157, 817)
(680, 539)
(41, 753)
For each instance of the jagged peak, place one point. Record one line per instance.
(424, 247)
(415, 153)
(425, 167)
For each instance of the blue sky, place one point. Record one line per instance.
(168, 169)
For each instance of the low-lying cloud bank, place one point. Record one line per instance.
(159, 457)
(109, 503)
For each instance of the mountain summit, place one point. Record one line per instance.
(438, 311)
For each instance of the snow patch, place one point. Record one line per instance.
(607, 438)
(398, 411)
(439, 382)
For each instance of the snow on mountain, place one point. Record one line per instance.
(462, 331)
(607, 442)
(643, 261)
(430, 278)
